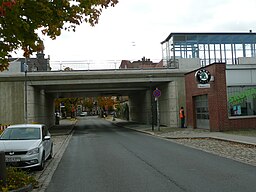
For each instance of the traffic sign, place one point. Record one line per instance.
(157, 93)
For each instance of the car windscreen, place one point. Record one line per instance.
(21, 133)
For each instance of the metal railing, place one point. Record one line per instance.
(91, 65)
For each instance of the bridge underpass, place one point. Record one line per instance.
(36, 104)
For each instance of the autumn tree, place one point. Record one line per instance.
(23, 21)
(106, 103)
(69, 103)
(88, 102)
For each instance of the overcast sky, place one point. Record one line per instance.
(135, 28)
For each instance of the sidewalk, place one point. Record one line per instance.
(186, 133)
(64, 128)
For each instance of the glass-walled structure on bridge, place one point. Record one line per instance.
(207, 48)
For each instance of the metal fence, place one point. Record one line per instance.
(84, 65)
(89, 65)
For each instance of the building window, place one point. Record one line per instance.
(242, 100)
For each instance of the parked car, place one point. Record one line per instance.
(83, 114)
(26, 145)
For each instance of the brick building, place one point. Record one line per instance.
(226, 102)
(144, 63)
(220, 90)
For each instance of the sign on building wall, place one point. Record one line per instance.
(203, 76)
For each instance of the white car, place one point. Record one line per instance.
(26, 145)
(83, 114)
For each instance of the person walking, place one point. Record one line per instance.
(182, 117)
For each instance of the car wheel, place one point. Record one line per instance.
(41, 166)
(51, 153)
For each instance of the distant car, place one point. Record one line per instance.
(83, 114)
(26, 145)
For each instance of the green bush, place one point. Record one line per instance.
(16, 178)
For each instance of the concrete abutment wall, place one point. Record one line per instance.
(40, 107)
(12, 102)
(171, 99)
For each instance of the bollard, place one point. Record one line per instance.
(2, 168)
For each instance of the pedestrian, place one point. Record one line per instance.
(57, 118)
(182, 117)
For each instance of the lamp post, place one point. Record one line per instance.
(26, 91)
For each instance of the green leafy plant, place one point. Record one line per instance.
(17, 178)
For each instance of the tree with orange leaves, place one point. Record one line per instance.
(105, 103)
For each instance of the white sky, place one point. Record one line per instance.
(135, 28)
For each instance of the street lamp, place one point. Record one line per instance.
(26, 91)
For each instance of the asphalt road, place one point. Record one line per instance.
(104, 158)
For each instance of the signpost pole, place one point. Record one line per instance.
(158, 114)
(152, 112)
(157, 94)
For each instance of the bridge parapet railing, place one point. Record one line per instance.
(103, 65)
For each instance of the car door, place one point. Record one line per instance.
(46, 142)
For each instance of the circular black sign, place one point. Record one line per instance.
(203, 76)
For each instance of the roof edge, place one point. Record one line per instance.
(206, 33)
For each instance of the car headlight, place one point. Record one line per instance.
(33, 151)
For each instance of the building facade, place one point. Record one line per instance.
(226, 102)
(39, 63)
(221, 93)
(144, 63)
